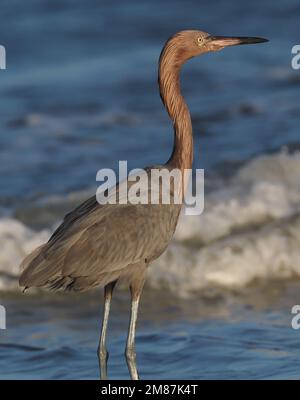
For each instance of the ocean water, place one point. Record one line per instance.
(79, 94)
(228, 336)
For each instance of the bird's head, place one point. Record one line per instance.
(188, 44)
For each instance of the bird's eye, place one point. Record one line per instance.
(200, 40)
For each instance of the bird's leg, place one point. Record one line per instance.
(102, 352)
(136, 290)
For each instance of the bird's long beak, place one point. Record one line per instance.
(224, 41)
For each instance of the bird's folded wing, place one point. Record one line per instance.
(95, 239)
(124, 234)
(108, 240)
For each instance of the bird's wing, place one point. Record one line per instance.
(70, 222)
(96, 239)
(122, 235)
(79, 218)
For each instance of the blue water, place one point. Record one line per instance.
(80, 89)
(80, 93)
(232, 337)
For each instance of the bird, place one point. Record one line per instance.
(101, 245)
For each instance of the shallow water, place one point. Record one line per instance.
(80, 93)
(225, 336)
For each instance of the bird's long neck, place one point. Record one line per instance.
(169, 86)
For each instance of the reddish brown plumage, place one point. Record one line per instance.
(90, 248)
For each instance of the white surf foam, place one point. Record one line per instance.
(267, 188)
(250, 230)
(271, 252)
(16, 242)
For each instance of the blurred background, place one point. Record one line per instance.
(80, 93)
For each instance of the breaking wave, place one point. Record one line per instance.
(249, 231)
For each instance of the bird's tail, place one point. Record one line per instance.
(36, 269)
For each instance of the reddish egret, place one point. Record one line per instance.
(100, 245)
